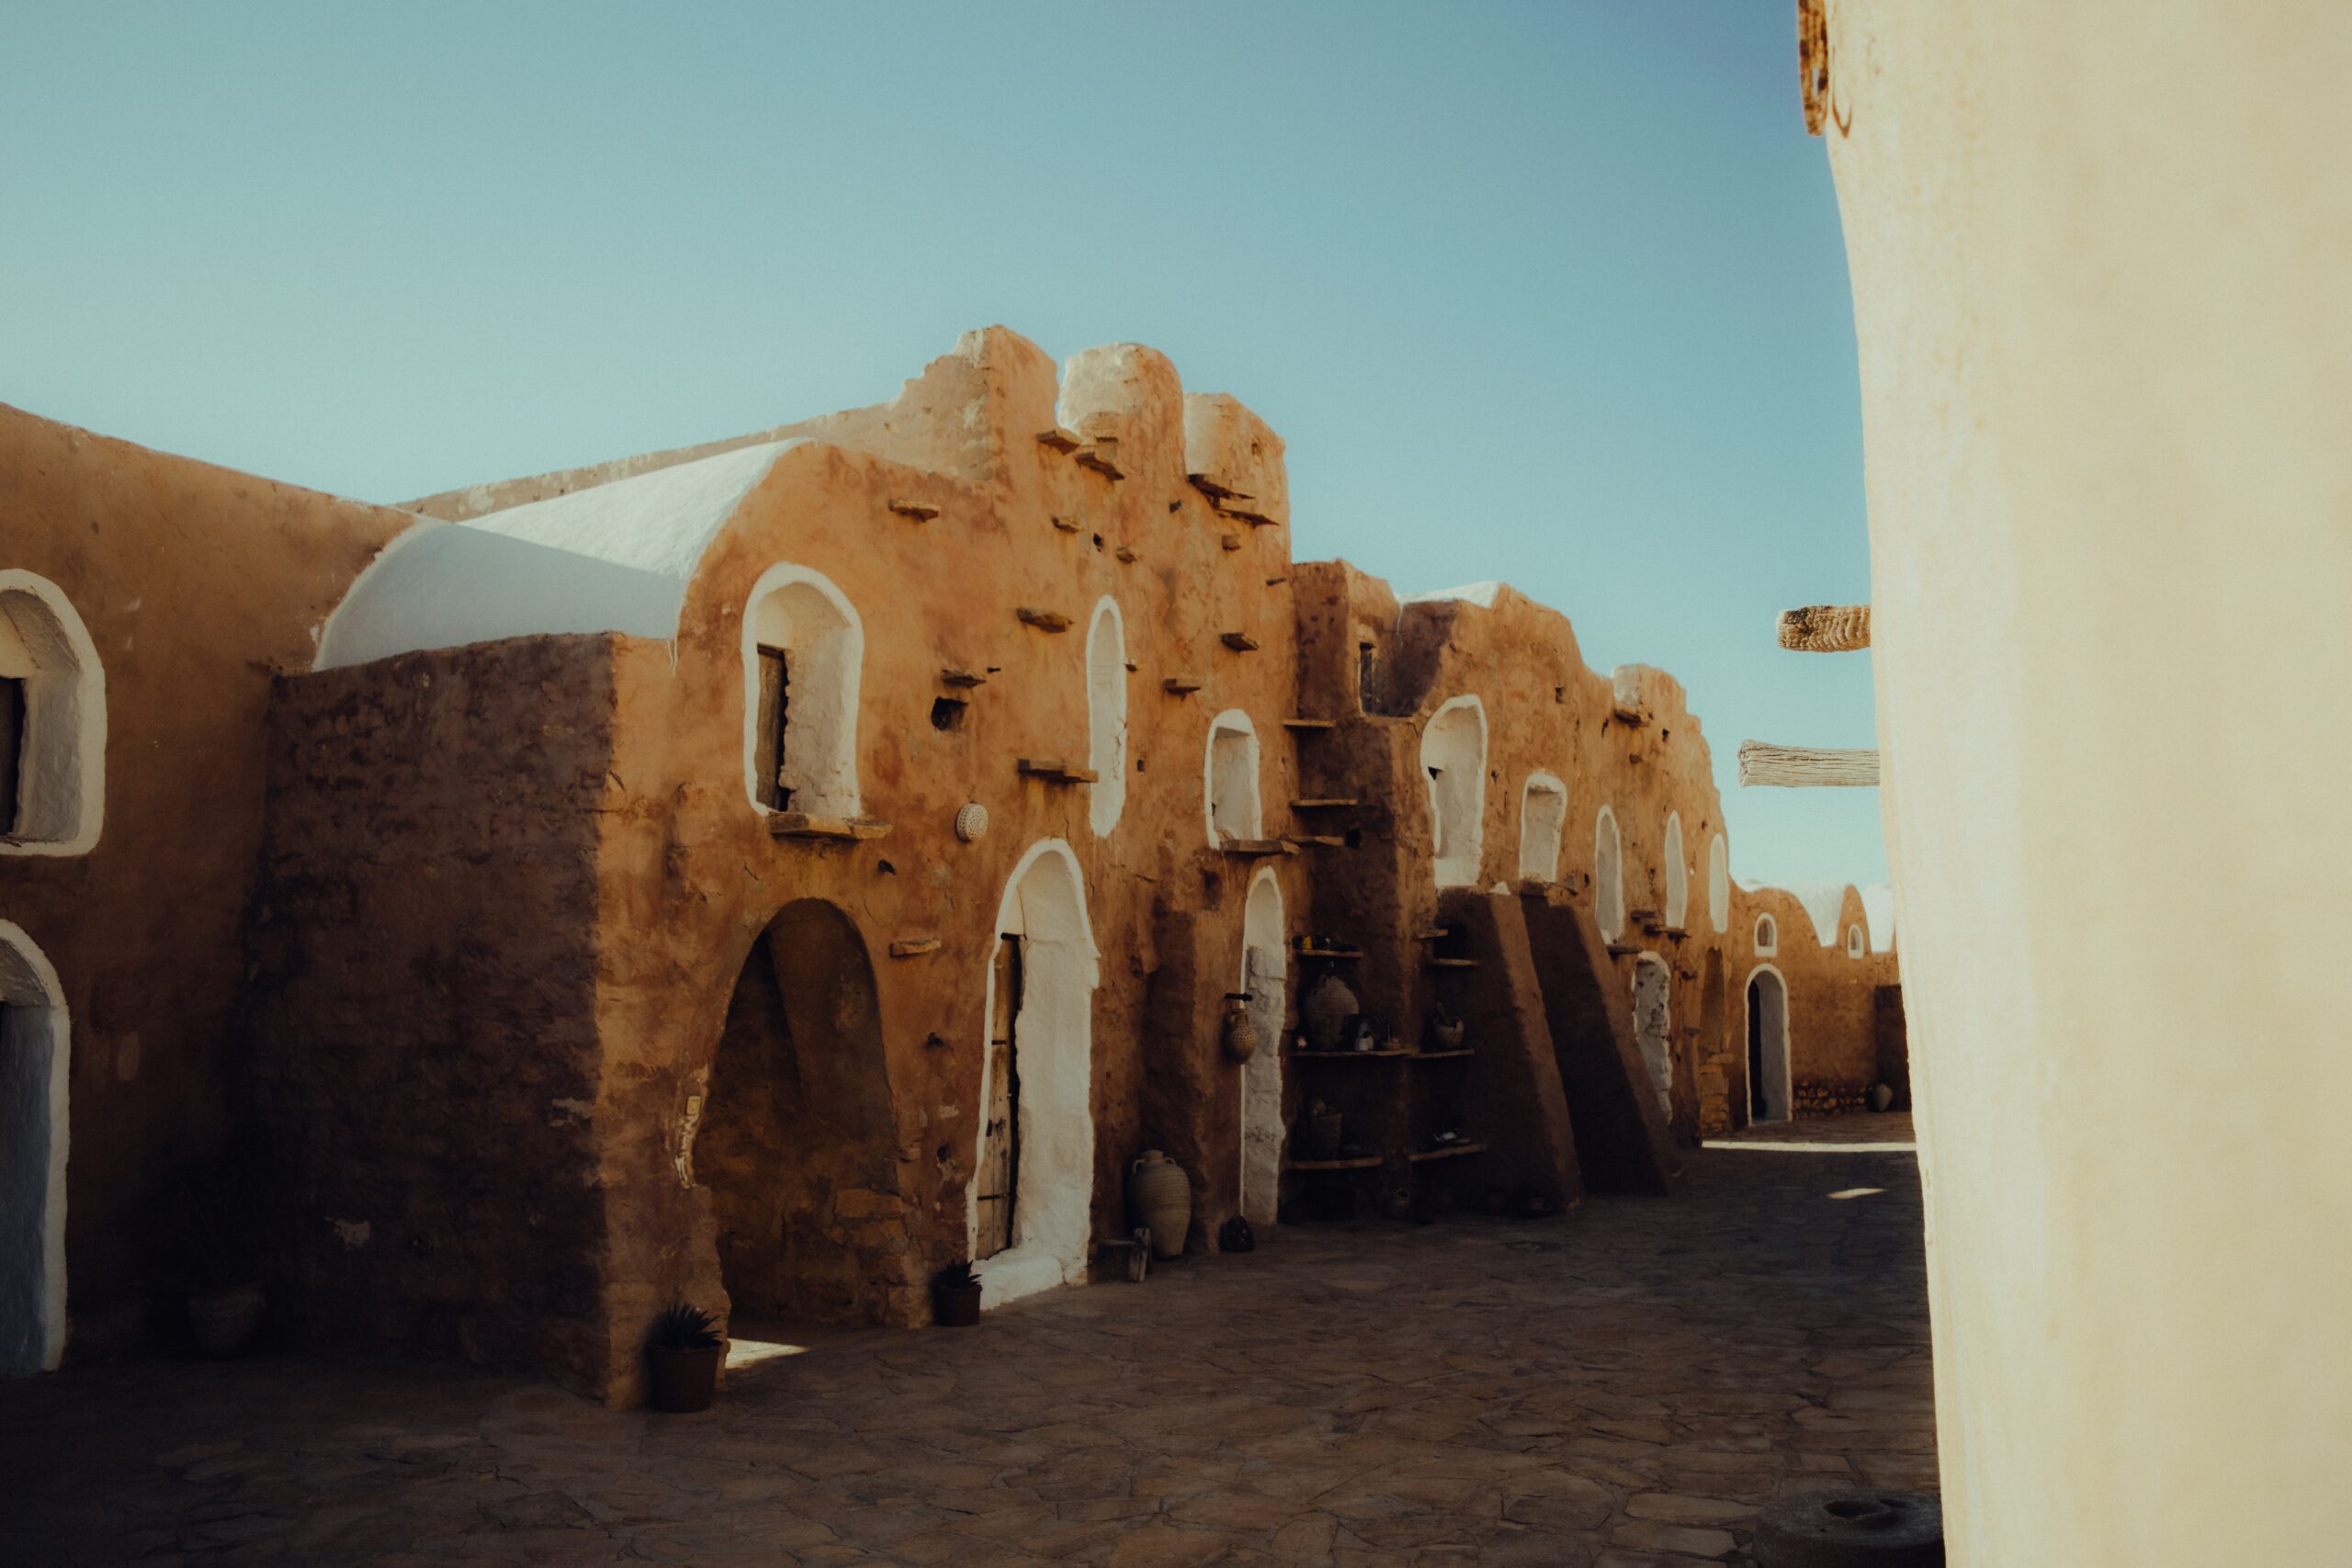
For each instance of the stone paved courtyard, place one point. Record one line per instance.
(1622, 1385)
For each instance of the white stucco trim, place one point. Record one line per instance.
(1044, 907)
(1106, 715)
(1719, 885)
(1779, 1089)
(62, 778)
(1240, 779)
(1678, 872)
(1608, 875)
(1765, 935)
(1541, 829)
(1856, 943)
(29, 983)
(1263, 938)
(820, 724)
(1454, 770)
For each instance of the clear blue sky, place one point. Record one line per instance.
(1547, 292)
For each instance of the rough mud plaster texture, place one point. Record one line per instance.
(424, 1002)
(1833, 1007)
(1514, 1099)
(35, 1041)
(1623, 1139)
(193, 584)
(2107, 491)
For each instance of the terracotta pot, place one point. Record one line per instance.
(684, 1379)
(224, 1319)
(1326, 1011)
(1240, 1034)
(1159, 1197)
(956, 1306)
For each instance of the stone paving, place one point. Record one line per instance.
(1622, 1385)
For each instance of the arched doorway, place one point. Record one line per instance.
(1264, 974)
(52, 722)
(32, 1158)
(1767, 1045)
(798, 1118)
(1037, 1130)
(1653, 1027)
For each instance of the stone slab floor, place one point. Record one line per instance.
(1624, 1384)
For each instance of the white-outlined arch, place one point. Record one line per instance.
(1719, 883)
(800, 611)
(1765, 1008)
(1653, 1025)
(1044, 909)
(1542, 818)
(34, 1048)
(1230, 804)
(1768, 936)
(1855, 944)
(1265, 975)
(60, 760)
(1106, 715)
(1453, 763)
(1678, 872)
(1608, 875)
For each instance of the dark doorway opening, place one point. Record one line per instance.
(999, 1170)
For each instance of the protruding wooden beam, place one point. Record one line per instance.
(1827, 628)
(1799, 767)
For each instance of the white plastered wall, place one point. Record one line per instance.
(2107, 490)
(1543, 816)
(34, 1051)
(1678, 872)
(1106, 715)
(1264, 974)
(62, 768)
(1045, 907)
(1608, 875)
(1453, 762)
(803, 612)
(1231, 804)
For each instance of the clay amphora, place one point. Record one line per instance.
(1325, 1011)
(1160, 1198)
(1240, 1035)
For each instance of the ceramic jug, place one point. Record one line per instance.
(1159, 1197)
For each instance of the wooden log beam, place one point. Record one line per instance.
(1801, 767)
(1827, 628)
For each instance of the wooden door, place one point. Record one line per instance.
(12, 745)
(773, 712)
(1001, 1136)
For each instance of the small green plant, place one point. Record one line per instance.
(683, 1327)
(955, 1276)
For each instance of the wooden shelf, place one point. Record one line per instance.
(1256, 847)
(1355, 1162)
(1442, 1056)
(1310, 724)
(1353, 1056)
(1451, 1151)
(1332, 803)
(800, 825)
(1453, 964)
(1435, 934)
(1053, 771)
(1348, 952)
(1327, 840)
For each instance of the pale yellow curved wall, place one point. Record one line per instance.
(2099, 255)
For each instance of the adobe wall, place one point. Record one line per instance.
(689, 875)
(197, 585)
(426, 1059)
(1832, 1006)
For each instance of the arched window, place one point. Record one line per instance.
(803, 646)
(1230, 778)
(1677, 875)
(52, 722)
(1768, 937)
(1855, 946)
(32, 1158)
(1719, 883)
(1543, 813)
(1106, 717)
(1453, 757)
(1608, 876)
(1768, 1083)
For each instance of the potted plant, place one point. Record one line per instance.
(955, 1297)
(683, 1354)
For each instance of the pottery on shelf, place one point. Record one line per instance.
(1325, 1012)
(1446, 1031)
(1325, 1130)
(1159, 1199)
